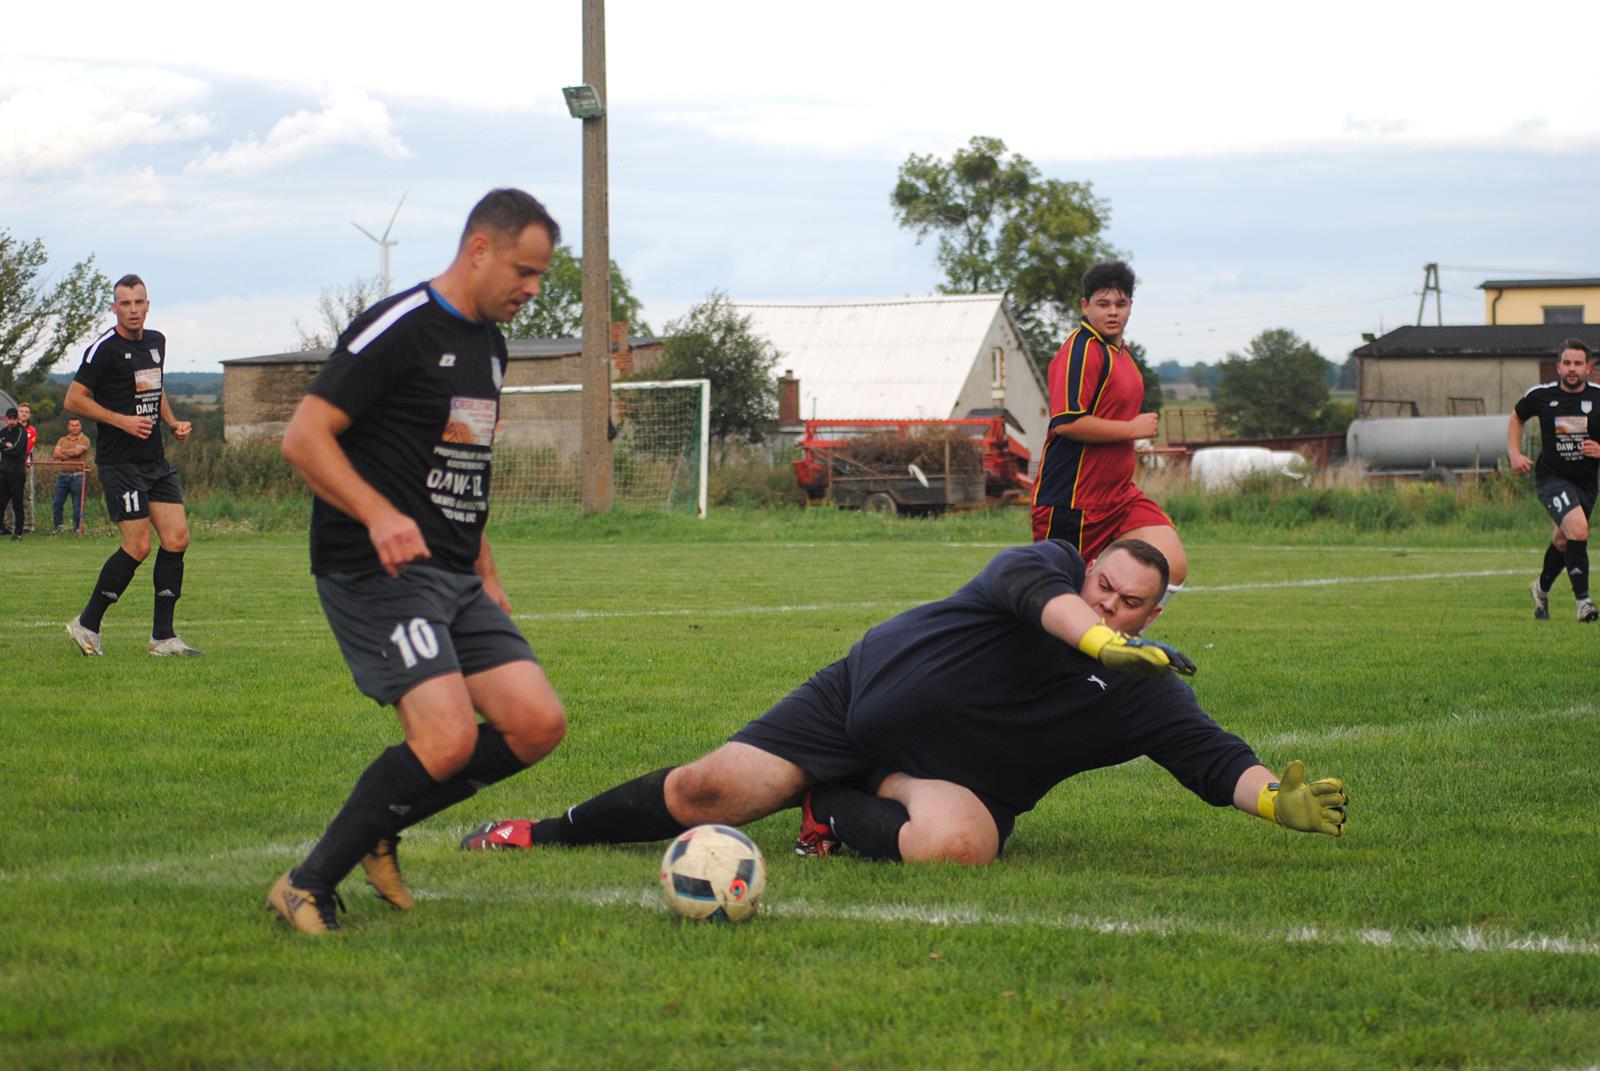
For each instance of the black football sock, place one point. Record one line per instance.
(115, 576)
(863, 822)
(492, 762)
(1578, 567)
(383, 797)
(1555, 563)
(635, 811)
(169, 588)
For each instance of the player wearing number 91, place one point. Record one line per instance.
(945, 723)
(395, 438)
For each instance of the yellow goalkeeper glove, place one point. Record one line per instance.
(1133, 654)
(1317, 807)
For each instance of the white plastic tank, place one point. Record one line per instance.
(1453, 442)
(1217, 467)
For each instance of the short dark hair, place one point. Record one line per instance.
(1576, 344)
(506, 213)
(127, 280)
(1145, 553)
(1108, 275)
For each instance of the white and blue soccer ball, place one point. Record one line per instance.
(713, 874)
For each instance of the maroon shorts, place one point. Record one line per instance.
(1092, 530)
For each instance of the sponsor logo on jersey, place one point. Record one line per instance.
(448, 360)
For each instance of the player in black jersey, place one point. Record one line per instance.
(1565, 475)
(395, 440)
(119, 386)
(945, 723)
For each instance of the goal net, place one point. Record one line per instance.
(659, 445)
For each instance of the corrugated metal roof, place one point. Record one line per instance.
(877, 360)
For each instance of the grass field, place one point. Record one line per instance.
(148, 803)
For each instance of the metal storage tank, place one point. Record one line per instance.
(1420, 443)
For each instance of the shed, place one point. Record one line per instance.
(259, 394)
(1458, 371)
(928, 358)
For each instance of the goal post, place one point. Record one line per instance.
(661, 436)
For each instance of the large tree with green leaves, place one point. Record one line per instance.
(1278, 386)
(1003, 228)
(713, 341)
(40, 323)
(558, 310)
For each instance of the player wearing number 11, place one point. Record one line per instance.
(394, 437)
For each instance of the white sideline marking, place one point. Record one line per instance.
(192, 871)
(1455, 939)
(871, 604)
(1584, 711)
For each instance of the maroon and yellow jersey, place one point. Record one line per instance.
(1088, 378)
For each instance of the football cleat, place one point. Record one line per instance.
(172, 645)
(498, 835)
(816, 838)
(88, 642)
(383, 874)
(1541, 601)
(1587, 611)
(307, 911)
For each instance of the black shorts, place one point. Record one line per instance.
(808, 728)
(397, 632)
(1560, 497)
(132, 487)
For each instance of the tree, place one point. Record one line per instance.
(713, 341)
(558, 310)
(339, 306)
(1003, 228)
(1152, 382)
(39, 324)
(1277, 387)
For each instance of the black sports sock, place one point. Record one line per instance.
(1555, 563)
(492, 762)
(1578, 567)
(863, 822)
(168, 574)
(115, 576)
(635, 811)
(384, 795)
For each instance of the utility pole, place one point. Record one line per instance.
(1430, 285)
(595, 445)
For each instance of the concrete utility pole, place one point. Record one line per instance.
(594, 443)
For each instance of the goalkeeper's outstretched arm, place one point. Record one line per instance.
(1294, 803)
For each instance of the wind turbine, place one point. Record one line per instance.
(384, 243)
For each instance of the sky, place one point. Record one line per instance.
(1267, 164)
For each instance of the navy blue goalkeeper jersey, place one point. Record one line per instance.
(971, 689)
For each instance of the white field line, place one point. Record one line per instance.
(193, 872)
(279, 623)
(1367, 733)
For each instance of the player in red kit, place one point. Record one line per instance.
(1085, 493)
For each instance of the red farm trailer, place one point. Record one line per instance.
(912, 466)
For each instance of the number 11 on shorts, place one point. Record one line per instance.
(415, 640)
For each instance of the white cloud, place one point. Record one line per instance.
(58, 117)
(347, 117)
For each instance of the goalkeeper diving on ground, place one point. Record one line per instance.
(945, 723)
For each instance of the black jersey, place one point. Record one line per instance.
(421, 385)
(1565, 420)
(972, 690)
(124, 375)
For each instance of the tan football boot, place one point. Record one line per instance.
(308, 912)
(383, 874)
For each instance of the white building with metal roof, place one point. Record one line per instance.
(929, 358)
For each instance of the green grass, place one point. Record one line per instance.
(147, 804)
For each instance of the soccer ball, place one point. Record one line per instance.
(714, 874)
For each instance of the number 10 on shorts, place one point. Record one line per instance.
(415, 641)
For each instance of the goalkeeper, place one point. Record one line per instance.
(946, 722)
